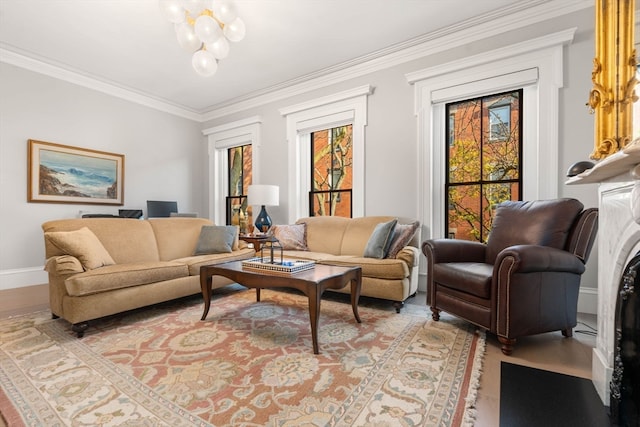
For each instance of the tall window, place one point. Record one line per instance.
(331, 172)
(484, 161)
(239, 167)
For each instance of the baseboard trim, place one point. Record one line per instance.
(22, 277)
(588, 301)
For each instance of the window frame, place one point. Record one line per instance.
(536, 66)
(483, 181)
(347, 107)
(219, 140)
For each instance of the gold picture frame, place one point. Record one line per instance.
(613, 76)
(65, 174)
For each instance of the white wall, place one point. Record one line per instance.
(164, 159)
(166, 155)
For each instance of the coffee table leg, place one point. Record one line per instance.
(355, 297)
(314, 316)
(205, 286)
(258, 294)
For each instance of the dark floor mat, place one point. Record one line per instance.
(532, 397)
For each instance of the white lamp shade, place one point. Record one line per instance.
(264, 195)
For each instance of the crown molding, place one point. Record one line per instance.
(59, 72)
(516, 16)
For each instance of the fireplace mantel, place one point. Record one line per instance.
(618, 242)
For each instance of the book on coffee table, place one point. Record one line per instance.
(288, 266)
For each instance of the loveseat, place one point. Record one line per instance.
(391, 275)
(103, 266)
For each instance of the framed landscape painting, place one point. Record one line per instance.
(64, 174)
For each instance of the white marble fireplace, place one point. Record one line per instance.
(618, 242)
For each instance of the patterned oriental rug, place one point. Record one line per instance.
(247, 364)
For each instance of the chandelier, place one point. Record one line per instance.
(204, 28)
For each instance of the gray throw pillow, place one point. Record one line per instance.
(380, 239)
(216, 239)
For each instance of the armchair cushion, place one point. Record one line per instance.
(469, 277)
(539, 222)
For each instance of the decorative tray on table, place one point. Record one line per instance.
(288, 266)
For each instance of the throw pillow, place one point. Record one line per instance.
(402, 235)
(380, 239)
(82, 244)
(216, 239)
(291, 237)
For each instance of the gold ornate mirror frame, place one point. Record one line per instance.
(613, 76)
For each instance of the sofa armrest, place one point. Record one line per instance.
(410, 255)
(63, 265)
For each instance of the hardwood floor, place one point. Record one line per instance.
(551, 351)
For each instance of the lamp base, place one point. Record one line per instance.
(263, 221)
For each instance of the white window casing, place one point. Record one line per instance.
(536, 67)
(220, 139)
(348, 107)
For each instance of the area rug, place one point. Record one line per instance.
(248, 364)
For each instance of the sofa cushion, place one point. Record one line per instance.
(195, 262)
(402, 235)
(127, 240)
(216, 239)
(378, 243)
(177, 237)
(123, 276)
(291, 237)
(371, 267)
(325, 233)
(82, 244)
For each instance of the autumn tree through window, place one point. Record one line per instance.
(331, 174)
(240, 167)
(484, 161)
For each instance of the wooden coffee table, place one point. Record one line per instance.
(311, 282)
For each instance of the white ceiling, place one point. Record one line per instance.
(127, 43)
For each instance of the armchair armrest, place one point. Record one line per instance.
(533, 258)
(453, 250)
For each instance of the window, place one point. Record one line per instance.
(233, 150)
(331, 172)
(537, 67)
(347, 108)
(240, 173)
(499, 122)
(483, 165)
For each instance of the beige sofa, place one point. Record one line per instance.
(153, 261)
(342, 241)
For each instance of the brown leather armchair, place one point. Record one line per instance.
(525, 279)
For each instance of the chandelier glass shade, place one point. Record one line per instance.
(204, 28)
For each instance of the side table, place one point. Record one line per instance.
(257, 241)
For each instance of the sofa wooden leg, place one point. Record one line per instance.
(398, 305)
(567, 332)
(54, 316)
(507, 345)
(79, 328)
(435, 314)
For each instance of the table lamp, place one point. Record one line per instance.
(263, 195)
